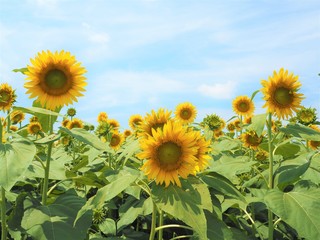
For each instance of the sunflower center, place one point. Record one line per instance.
(243, 107)
(253, 140)
(35, 129)
(4, 97)
(283, 96)
(185, 114)
(169, 153)
(115, 140)
(55, 79)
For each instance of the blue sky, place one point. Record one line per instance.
(146, 54)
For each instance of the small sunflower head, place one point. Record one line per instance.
(261, 155)
(231, 127)
(113, 123)
(99, 215)
(237, 124)
(65, 122)
(102, 117)
(307, 116)
(14, 128)
(247, 120)
(34, 128)
(75, 123)
(243, 106)
(116, 140)
(34, 119)
(127, 133)
(213, 121)
(135, 120)
(65, 141)
(103, 129)
(185, 112)
(251, 140)
(17, 116)
(314, 144)
(7, 96)
(71, 112)
(91, 127)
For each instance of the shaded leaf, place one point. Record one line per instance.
(301, 131)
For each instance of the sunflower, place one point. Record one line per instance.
(127, 133)
(154, 121)
(237, 124)
(14, 128)
(135, 120)
(185, 112)
(261, 155)
(280, 94)
(314, 144)
(102, 117)
(17, 116)
(170, 152)
(75, 123)
(214, 122)
(307, 116)
(34, 119)
(251, 140)
(56, 79)
(65, 122)
(113, 123)
(116, 140)
(71, 112)
(7, 96)
(247, 120)
(231, 127)
(34, 128)
(243, 106)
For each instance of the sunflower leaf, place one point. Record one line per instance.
(254, 94)
(22, 70)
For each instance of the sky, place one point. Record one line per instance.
(149, 54)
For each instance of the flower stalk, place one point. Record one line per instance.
(3, 203)
(270, 184)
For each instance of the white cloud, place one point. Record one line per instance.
(218, 90)
(100, 38)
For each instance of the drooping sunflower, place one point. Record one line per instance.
(170, 152)
(237, 124)
(243, 106)
(75, 123)
(113, 123)
(34, 128)
(281, 94)
(251, 139)
(185, 112)
(7, 96)
(102, 117)
(65, 122)
(116, 140)
(56, 79)
(17, 116)
(154, 121)
(135, 120)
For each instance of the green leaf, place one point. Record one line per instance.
(225, 145)
(301, 131)
(108, 226)
(132, 209)
(86, 137)
(108, 192)
(183, 203)
(299, 208)
(257, 123)
(22, 70)
(254, 94)
(222, 184)
(55, 221)
(15, 158)
(48, 139)
(287, 149)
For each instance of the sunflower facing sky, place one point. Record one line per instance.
(116, 140)
(170, 152)
(185, 112)
(251, 140)
(135, 120)
(281, 94)
(243, 106)
(55, 79)
(7, 96)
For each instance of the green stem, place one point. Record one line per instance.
(153, 222)
(160, 234)
(3, 203)
(173, 225)
(270, 214)
(47, 168)
(181, 237)
(3, 215)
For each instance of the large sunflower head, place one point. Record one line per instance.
(34, 128)
(185, 112)
(281, 94)
(135, 120)
(116, 140)
(251, 140)
(307, 116)
(102, 117)
(56, 79)
(170, 152)
(7, 96)
(154, 121)
(17, 116)
(243, 106)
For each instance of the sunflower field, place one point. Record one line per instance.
(253, 176)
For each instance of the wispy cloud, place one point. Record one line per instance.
(218, 90)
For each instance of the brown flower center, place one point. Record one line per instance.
(115, 140)
(283, 96)
(4, 97)
(243, 107)
(185, 114)
(169, 153)
(56, 82)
